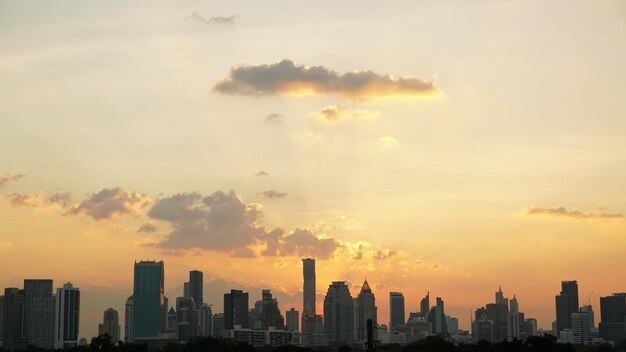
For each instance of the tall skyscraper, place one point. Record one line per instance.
(149, 302)
(187, 319)
(266, 313)
(67, 316)
(235, 309)
(110, 325)
(1, 321)
(425, 304)
(293, 320)
(365, 309)
(14, 335)
(195, 287)
(437, 317)
(396, 310)
(566, 304)
(339, 313)
(612, 317)
(308, 291)
(39, 313)
(128, 320)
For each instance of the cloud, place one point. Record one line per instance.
(224, 222)
(213, 20)
(288, 78)
(274, 118)
(110, 203)
(570, 214)
(38, 200)
(388, 141)
(272, 194)
(338, 113)
(147, 227)
(261, 173)
(4, 178)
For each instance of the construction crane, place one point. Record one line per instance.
(589, 299)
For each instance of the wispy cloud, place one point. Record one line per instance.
(38, 199)
(274, 118)
(561, 212)
(288, 78)
(110, 203)
(230, 20)
(4, 178)
(261, 173)
(272, 194)
(147, 227)
(339, 113)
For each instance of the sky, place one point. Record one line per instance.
(448, 147)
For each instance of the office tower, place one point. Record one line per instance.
(266, 313)
(149, 302)
(339, 313)
(528, 327)
(513, 327)
(128, 320)
(187, 319)
(195, 287)
(110, 325)
(67, 316)
(437, 317)
(235, 309)
(308, 291)
(589, 309)
(206, 320)
(612, 317)
(425, 304)
(452, 325)
(482, 327)
(218, 324)
(396, 310)
(186, 289)
(293, 320)
(14, 332)
(170, 326)
(566, 304)
(500, 299)
(1, 321)
(39, 312)
(365, 309)
(581, 327)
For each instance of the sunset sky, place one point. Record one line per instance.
(442, 146)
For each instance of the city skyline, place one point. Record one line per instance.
(447, 148)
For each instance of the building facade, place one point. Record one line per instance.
(67, 316)
(339, 313)
(396, 310)
(149, 305)
(612, 325)
(39, 312)
(566, 304)
(110, 325)
(236, 309)
(365, 310)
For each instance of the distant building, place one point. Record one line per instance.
(218, 324)
(261, 338)
(581, 327)
(396, 310)
(365, 309)
(206, 320)
(514, 321)
(128, 320)
(67, 316)
(110, 325)
(339, 313)
(149, 302)
(293, 320)
(452, 325)
(566, 304)
(1, 321)
(196, 287)
(482, 327)
(437, 318)
(612, 325)
(187, 319)
(308, 289)
(235, 309)
(14, 334)
(39, 313)
(170, 326)
(425, 304)
(266, 313)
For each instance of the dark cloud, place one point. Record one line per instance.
(38, 199)
(288, 78)
(110, 203)
(62, 199)
(213, 20)
(224, 222)
(147, 227)
(338, 113)
(274, 118)
(570, 214)
(261, 173)
(272, 194)
(4, 178)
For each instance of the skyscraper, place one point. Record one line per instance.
(266, 313)
(1, 321)
(187, 319)
(67, 316)
(149, 303)
(365, 310)
(396, 309)
(612, 317)
(425, 304)
(566, 304)
(437, 317)
(39, 312)
(110, 325)
(235, 309)
(128, 320)
(308, 291)
(339, 313)
(195, 287)
(14, 336)
(293, 320)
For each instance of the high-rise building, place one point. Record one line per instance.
(39, 312)
(149, 302)
(266, 313)
(396, 310)
(425, 304)
(1, 321)
(187, 319)
(498, 314)
(67, 316)
(339, 313)
(128, 320)
(206, 320)
(437, 318)
(110, 325)
(612, 325)
(171, 324)
(513, 328)
(452, 325)
(293, 320)
(566, 304)
(218, 324)
(14, 332)
(308, 290)
(365, 310)
(195, 287)
(482, 327)
(581, 327)
(235, 309)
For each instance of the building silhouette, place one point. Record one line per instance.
(396, 310)
(293, 320)
(339, 313)
(14, 334)
(149, 306)
(365, 308)
(110, 325)
(266, 313)
(425, 304)
(437, 318)
(187, 319)
(67, 316)
(308, 290)
(195, 287)
(566, 304)
(612, 325)
(39, 312)
(128, 320)
(235, 309)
